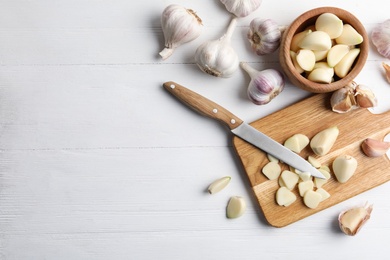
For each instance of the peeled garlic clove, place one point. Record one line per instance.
(343, 100)
(236, 207)
(311, 199)
(264, 36)
(329, 23)
(323, 141)
(344, 167)
(349, 36)
(217, 57)
(380, 37)
(336, 53)
(297, 38)
(316, 41)
(265, 85)
(284, 197)
(365, 98)
(241, 8)
(321, 75)
(179, 25)
(375, 148)
(219, 185)
(352, 220)
(320, 55)
(306, 59)
(387, 71)
(293, 56)
(344, 66)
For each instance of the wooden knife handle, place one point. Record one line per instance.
(202, 105)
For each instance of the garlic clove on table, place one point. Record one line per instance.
(352, 220)
(180, 25)
(241, 8)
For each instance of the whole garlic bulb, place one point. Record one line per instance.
(217, 57)
(179, 25)
(241, 8)
(380, 37)
(264, 85)
(264, 36)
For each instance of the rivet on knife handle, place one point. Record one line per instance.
(202, 104)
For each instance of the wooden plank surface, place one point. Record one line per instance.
(308, 117)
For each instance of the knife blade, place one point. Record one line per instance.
(239, 128)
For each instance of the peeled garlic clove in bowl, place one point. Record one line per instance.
(352, 220)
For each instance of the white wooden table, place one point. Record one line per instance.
(97, 161)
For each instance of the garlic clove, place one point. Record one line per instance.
(304, 186)
(311, 199)
(352, 220)
(349, 36)
(343, 100)
(316, 41)
(365, 98)
(320, 55)
(271, 170)
(297, 142)
(336, 53)
(218, 185)
(329, 23)
(375, 148)
(380, 37)
(387, 71)
(236, 207)
(290, 179)
(179, 25)
(241, 8)
(323, 141)
(324, 194)
(293, 56)
(285, 197)
(297, 38)
(344, 167)
(321, 75)
(264, 36)
(344, 66)
(306, 59)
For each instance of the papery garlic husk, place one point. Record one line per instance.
(180, 25)
(365, 98)
(264, 36)
(352, 220)
(380, 37)
(387, 71)
(343, 100)
(217, 57)
(264, 85)
(375, 148)
(241, 8)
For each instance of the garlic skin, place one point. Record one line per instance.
(217, 57)
(375, 148)
(264, 36)
(380, 37)
(241, 8)
(387, 71)
(179, 25)
(352, 220)
(264, 85)
(365, 98)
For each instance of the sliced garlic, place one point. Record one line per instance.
(314, 161)
(336, 53)
(323, 141)
(272, 170)
(329, 23)
(325, 195)
(297, 142)
(349, 36)
(311, 199)
(352, 220)
(304, 176)
(375, 148)
(290, 179)
(304, 186)
(219, 184)
(236, 207)
(316, 41)
(284, 197)
(272, 158)
(344, 167)
(344, 66)
(318, 183)
(306, 59)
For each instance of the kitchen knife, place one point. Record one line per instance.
(239, 128)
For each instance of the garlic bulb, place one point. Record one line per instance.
(179, 25)
(264, 85)
(380, 37)
(241, 8)
(264, 36)
(352, 220)
(217, 57)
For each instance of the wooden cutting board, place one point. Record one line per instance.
(309, 117)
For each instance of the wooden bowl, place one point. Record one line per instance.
(299, 24)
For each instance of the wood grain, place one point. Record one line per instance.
(309, 117)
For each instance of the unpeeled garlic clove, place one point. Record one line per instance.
(387, 71)
(180, 25)
(241, 8)
(375, 148)
(343, 100)
(219, 184)
(365, 98)
(352, 220)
